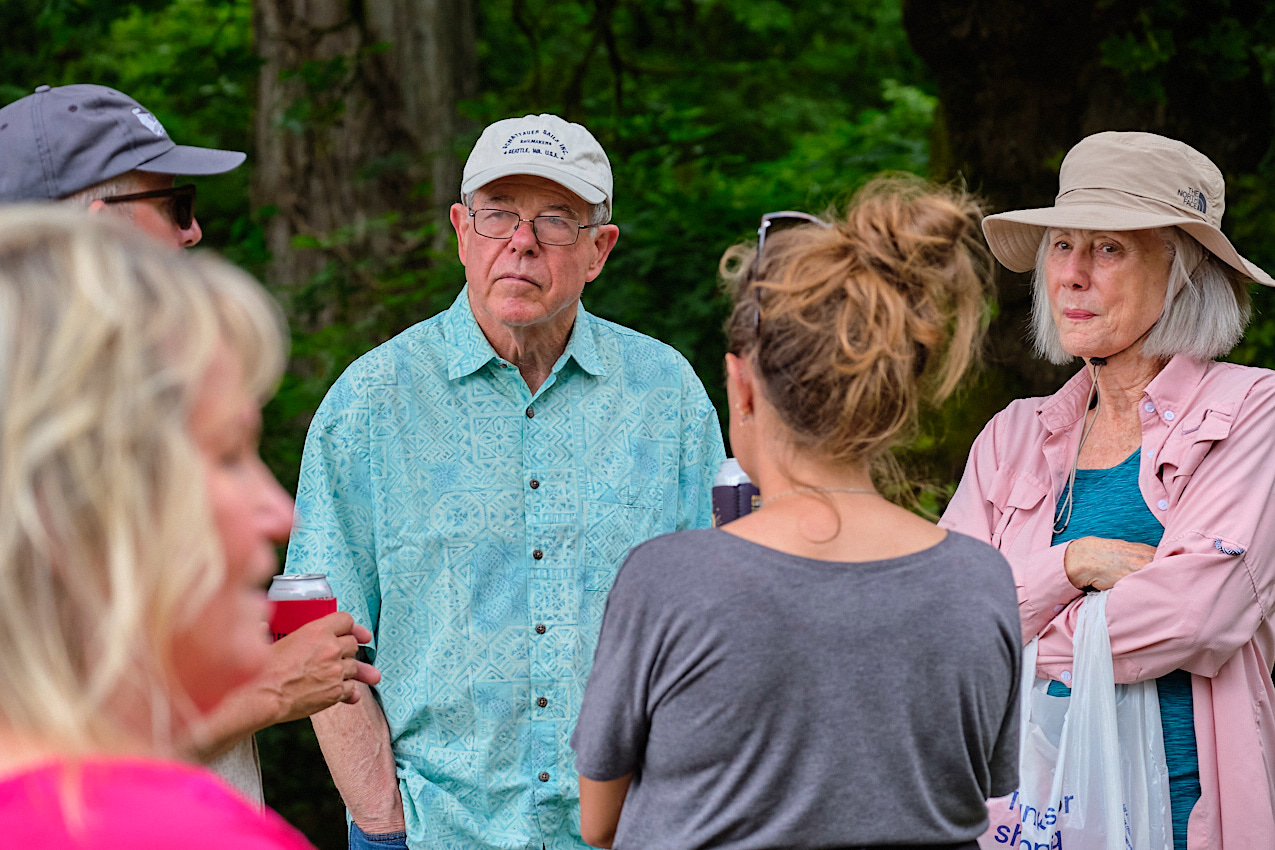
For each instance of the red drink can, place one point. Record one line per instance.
(298, 599)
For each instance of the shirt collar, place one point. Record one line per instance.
(468, 349)
(1170, 389)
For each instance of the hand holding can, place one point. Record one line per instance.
(298, 599)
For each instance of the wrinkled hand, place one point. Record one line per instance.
(314, 667)
(1100, 562)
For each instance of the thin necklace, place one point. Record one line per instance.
(797, 490)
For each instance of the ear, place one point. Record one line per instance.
(603, 242)
(741, 386)
(460, 223)
(97, 206)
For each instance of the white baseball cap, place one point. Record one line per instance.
(542, 146)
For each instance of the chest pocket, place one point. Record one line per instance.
(1014, 497)
(1183, 452)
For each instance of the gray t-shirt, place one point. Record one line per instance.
(763, 700)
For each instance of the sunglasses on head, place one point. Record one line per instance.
(771, 223)
(181, 209)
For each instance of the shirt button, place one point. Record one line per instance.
(531, 413)
(1149, 407)
(1065, 675)
(1163, 504)
(1168, 416)
(542, 702)
(1058, 608)
(534, 484)
(540, 628)
(544, 777)
(538, 554)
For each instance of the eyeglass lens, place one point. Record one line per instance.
(548, 229)
(183, 209)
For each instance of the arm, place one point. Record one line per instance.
(335, 534)
(307, 671)
(1211, 585)
(600, 806)
(355, 740)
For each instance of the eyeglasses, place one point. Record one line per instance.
(181, 210)
(774, 222)
(548, 229)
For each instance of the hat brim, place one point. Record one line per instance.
(588, 193)
(1014, 237)
(185, 159)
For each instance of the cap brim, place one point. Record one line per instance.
(1014, 237)
(185, 159)
(588, 193)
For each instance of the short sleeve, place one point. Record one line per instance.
(334, 531)
(611, 733)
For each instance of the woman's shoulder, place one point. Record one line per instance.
(969, 572)
(1231, 379)
(974, 555)
(671, 554)
(135, 803)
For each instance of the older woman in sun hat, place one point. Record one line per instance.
(1151, 472)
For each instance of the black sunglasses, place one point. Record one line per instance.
(774, 222)
(181, 210)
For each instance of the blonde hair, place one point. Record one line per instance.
(850, 327)
(1206, 304)
(107, 545)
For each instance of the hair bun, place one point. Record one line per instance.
(861, 320)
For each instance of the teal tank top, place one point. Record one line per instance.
(1107, 503)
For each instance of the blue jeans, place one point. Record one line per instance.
(360, 840)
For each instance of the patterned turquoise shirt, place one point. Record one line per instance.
(475, 527)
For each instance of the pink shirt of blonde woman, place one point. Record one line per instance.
(1202, 605)
(134, 803)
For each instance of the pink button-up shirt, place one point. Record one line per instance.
(1204, 603)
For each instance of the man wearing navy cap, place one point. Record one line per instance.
(96, 146)
(93, 146)
(471, 488)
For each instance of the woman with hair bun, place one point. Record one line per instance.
(137, 532)
(831, 670)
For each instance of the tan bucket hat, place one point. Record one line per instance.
(1125, 181)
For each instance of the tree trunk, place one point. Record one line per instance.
(356, 127)
(1021, 83)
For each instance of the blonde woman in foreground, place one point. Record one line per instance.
(831, 670)
(137, 531)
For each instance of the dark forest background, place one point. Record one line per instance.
(357, 114)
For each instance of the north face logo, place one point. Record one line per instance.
(150, 122)
(1194, 198)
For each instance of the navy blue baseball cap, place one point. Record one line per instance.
(58, 141)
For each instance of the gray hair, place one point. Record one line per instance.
(1206, 305)
(598, 213)
(123, 184)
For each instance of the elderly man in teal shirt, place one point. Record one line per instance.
(471, 488)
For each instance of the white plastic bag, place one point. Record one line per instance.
(1092, 773)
